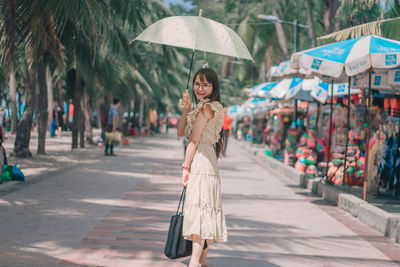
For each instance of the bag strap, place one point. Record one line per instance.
(182, 200)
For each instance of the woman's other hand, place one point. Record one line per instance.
(186, 102)
(185, 177)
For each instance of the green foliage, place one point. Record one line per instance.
(94, 37)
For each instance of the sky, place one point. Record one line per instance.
(181, 2)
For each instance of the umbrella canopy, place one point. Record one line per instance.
(234, 111)
(385, 80)
(291, 86)
(285, 70)
(263, 89)
(323, 90)
(196, 33)
(273, 72)
(304, 91)
(350, 57)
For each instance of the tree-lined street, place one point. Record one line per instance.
(79, 76)
(116, 211)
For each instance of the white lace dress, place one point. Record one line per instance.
(203, 214)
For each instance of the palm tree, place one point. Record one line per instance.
(388, 26)
(90, 40)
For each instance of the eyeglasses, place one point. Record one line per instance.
(203, 86)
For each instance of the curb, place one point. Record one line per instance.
(376, 218)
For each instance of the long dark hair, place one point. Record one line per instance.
(211, 76)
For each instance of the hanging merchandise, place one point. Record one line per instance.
(389, 165)
(375, 147)
(395, 107)
(355, 160)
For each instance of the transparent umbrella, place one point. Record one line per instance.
(196, 33)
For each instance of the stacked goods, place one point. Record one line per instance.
(355, 161)
(307, 154)
(275, 145)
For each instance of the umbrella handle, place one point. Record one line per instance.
(190, 71)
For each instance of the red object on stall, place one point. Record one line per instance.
(395, 107)
(355, 100)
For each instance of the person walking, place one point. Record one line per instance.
(203, 220)
(53, 124)
(60, 121)
(112, 124)
(227, 128)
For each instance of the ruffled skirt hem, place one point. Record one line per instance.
(206, 223)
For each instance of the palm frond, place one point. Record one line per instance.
(8, 31)
(389, 28)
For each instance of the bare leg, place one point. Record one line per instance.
(203, 258)
(197, 249)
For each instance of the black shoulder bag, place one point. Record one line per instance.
(176, 246)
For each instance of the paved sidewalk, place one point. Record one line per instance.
(115, 211)
(58, 158)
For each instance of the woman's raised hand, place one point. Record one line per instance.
(186, 102)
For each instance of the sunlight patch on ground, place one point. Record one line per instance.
(5, 203)
(64, 212)
(22, 202)
(108, 202)
(37, 171)
(116, 173)
(49, 248)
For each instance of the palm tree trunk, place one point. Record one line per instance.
(42, 114)
(13, 99)
(280, 33)
(9, 29)
(22, 139)
(50, 96)
(88, 118)
(141, 112)
(98, 112)
(310, 23)
(330, 9)
(136, 109)
(77, 110)
(263, 71)
(82, 124)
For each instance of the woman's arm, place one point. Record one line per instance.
(182, 124)
(200, 123)
(187, 107)
(114, 123)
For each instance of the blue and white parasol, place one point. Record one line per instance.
(350, 57)
(286, 87)
(262, 90)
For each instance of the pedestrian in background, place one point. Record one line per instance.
(53, 124)
(203, 217)
(227, 128)
(112, 126)
(3, 155)
(60, 121)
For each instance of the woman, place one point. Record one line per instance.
(203, 217)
